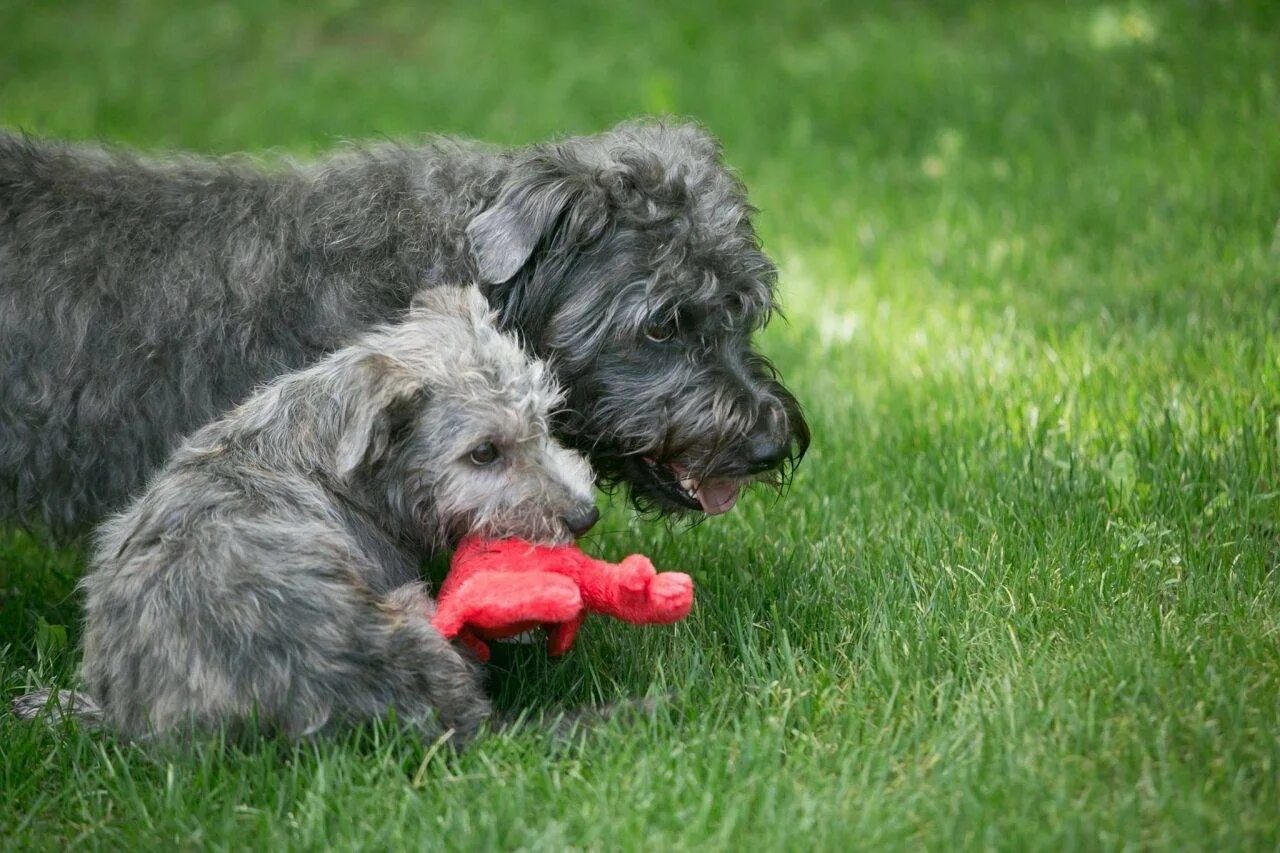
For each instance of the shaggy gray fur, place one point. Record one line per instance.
(270, 571)
(142, 297)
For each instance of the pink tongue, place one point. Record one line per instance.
(717, 496)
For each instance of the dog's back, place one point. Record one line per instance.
(141, 297)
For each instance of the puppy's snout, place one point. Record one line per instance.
(580, 519)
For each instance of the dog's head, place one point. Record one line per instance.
(449, 430)
(629, 261)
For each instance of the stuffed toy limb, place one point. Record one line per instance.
(498, 589)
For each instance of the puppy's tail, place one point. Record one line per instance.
(56, 707)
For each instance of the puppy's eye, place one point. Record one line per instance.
(484, 454)
(660, 332)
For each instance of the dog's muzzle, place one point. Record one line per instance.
(781, 436)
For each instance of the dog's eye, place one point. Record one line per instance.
(660, 332)
(484, 454)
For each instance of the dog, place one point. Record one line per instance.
(269, 573)
(142, 297)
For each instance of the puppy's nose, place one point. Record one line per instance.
(769, 444)
(581, 519)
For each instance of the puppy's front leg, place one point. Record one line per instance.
(427, 671)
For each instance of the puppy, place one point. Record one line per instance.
(270, 571)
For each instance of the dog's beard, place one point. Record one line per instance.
(677, 483)
(664, 474)
(679, 434)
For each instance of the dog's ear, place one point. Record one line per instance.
(387, 400)
(543, 195)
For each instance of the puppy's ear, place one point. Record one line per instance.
(385, 401)
(543, 195)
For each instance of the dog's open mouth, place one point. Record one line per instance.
(712, 495)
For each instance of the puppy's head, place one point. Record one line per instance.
(451, 431)
(629, 261)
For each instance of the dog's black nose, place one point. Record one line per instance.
(582, 519)
(769, 444)
(767, 451)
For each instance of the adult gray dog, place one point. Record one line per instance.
(139, 298)
(270, 570)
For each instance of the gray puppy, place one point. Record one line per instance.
(142, 297)
(271, 569)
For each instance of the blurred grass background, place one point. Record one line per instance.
(1023, 592)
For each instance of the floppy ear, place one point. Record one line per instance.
(387, 401)
(536, 196)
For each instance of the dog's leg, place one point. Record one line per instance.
(426, 674)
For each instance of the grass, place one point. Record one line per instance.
(1023, 593)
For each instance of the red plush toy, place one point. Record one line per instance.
(502, 588)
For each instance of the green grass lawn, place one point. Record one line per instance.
(1023, 592)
